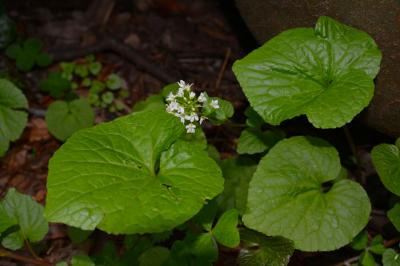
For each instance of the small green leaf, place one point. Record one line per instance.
(95, 68)
(107, 97)
(6, 221)
(43, 59)
(253, 119)
(64, 118)
(260, 250)
(325, 73)
(25, 60)
(133, 169)
(32, 46)
(28, 215)
(226, 232)
(82, 71)
(220, 115)
(77, 235)
(394, 216)
(55, 85)
(204, 247)
(97, 87)
(386, 159)
(114, 82)
(86, 82)
(67, 68)
(12, 118)
(252, 140)
(366, 259)
(390, 258)
(81, 260)
(155, 256)
(293, 194)
(205, 218)
(13, 50)
(360, 242)
(237, 174)
(376, 245)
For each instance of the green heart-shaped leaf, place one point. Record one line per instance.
(260, 250)
(28, 215)
(12, 119)
(325, 73)
(288, 196)
(64, 118)
(386, 159)
(131, 175)
(225, 231)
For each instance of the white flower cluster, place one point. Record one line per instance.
(185, 105)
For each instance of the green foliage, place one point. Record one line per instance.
(325, 73)
(253, 140)
(394, 216)
(55, 85)
(114, 82)
(360, 242)
(77, 235)
(288, 196)
(64, 118)
(81, 260)
(225, 231)
(153, 102)
(155, 256)
(12, 118)
(390, 258)
(134, 170)
(237, 173)
(260, 250)
(19, 209)
(28, 54)
(366, 259)
(386, 159)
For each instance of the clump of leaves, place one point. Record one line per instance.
(13, 117)
(28, 54)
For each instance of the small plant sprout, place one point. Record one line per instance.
(189, 108)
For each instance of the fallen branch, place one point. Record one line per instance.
(15, 256)
(107, 43)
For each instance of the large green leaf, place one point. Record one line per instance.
(325, 73)
(131, 175)
(386, 159)
(260, 250)
(28, 215)
(12, 118)
(289, 196)
(64, 118)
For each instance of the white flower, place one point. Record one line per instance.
(180, 92)
(191, 128)
(185, 86)
(172, 106)
(181, 110)
(214, 104)
(181, 117)
(202, 119)
(171, 97)
(192, 95)
(182, 83)
(192, 117)
(202, 97)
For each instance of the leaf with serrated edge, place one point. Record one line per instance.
(287, 196)
(28, 214)
(108, 176)
(386, 159)
(12, 119)
(325, 73)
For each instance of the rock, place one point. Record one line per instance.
(380, 18)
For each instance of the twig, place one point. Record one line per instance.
(15, 256)
(391, 242)
(33, 253)
(107, 43)
(37, 112)
(223, 67)
(348, 262)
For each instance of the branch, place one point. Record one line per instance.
(107, 43)
(15, 256)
